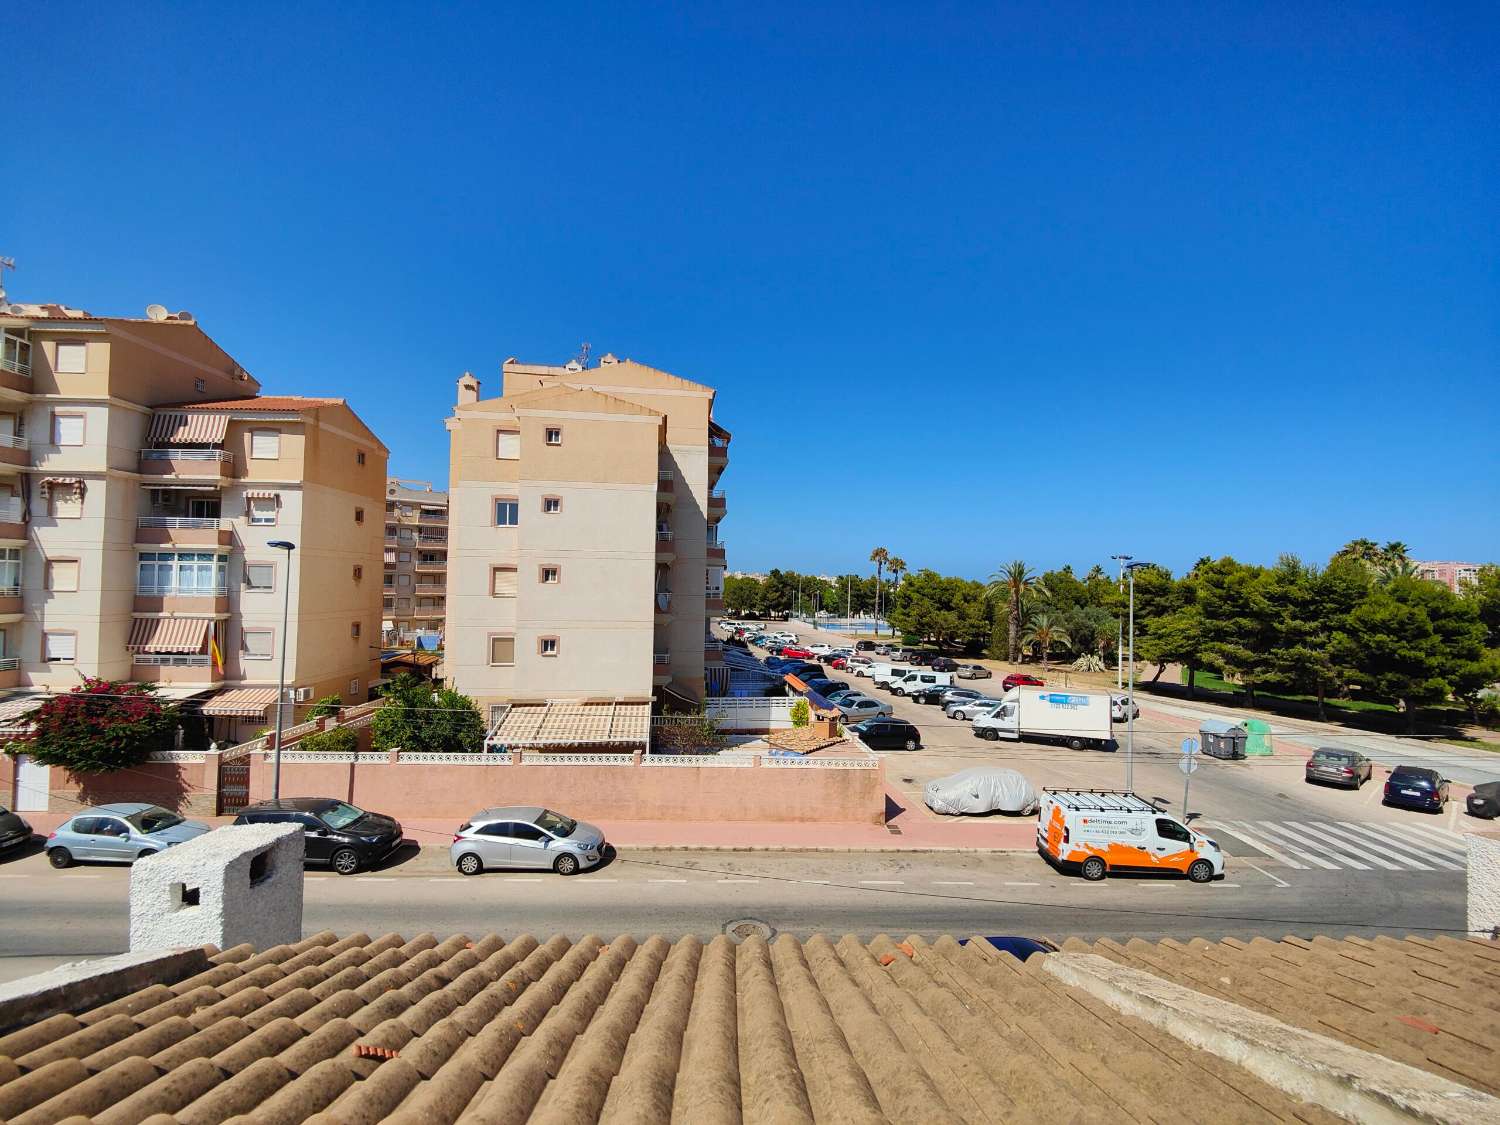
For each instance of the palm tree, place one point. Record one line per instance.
(897, 567)
(1045, 632)
(1363, 550)
(1394, 568)
(879, 556)
(1016, 582)
(1395, 549)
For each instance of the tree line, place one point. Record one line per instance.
(1361, 626)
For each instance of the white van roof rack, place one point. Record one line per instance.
(1102, 800)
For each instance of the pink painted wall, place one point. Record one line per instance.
(706, 793)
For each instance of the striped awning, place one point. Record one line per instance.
(241, 703)
(12, 711)
(60, 485)
(261, 495)
(179, 427)
(169, 634)
(561, 724)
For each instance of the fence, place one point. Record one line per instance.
(750, 715)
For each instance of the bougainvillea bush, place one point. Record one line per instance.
(99, 726)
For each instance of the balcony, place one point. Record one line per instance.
(663, 607)
(713, 652)
(664, 550)
(183, 531)
(14, 451)
(10, 601)
(713, 602)
(174, 667)
(666, 484)
(11, 519)
(181, 599)
(15, 363)
(200, 464)
(428, 537)
(438, 567)
(10, 671)
(717, 504)
(661, 668)
(716, 552)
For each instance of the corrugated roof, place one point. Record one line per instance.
(574, 724)
(478, 1030)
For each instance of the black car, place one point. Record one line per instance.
(864, 646)
(888, 734)
(804, 670)
(14, 831)
(825, 688)
(1416, 787)
(944, 664)
(922, 659)
(337, 834)
(931, 693)
(1484, 802)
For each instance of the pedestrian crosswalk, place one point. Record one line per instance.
(1332, 845)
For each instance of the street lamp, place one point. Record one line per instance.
(286, 601)
(1131, 567)
(1120, 629)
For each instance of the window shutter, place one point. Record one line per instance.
(265, 444)
(503, 582)
(61, 646)
(67, 429)
(508, 445)
(72, 358)
(502, 650)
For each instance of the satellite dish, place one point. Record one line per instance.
(157, 312)
(185, 316)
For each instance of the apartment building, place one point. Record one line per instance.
(1454, 575)
(416, 561)
(584, 554)
(143, 481)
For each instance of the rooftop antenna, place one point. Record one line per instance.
(583, 353)
(10, 264)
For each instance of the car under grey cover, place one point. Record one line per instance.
(981, 789)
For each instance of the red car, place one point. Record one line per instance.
(1021, 679)
(792, 652)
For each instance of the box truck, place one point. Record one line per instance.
(1075, 718)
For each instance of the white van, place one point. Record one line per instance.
(884, 674)
(1096, 831)
(920, 678)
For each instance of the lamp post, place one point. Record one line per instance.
(1120, 629)
(286, 601)
(1131, 567)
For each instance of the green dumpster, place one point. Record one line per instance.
(1258, 741)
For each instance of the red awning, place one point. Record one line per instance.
(169, 634)
(178, 427)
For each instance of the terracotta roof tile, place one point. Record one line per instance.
(279, 404)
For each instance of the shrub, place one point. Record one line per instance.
(328, 705)
(1088, 662)
(420, 718)
(340, 740)
(693, 733)
(801, 713)
(99, 726)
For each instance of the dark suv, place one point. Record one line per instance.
(943, 664)
(336, 833)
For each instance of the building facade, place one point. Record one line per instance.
(585, 556)
(416, 562)
(1454, 575)
(143, 480)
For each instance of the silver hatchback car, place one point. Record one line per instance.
(525, 836)
(121, 833)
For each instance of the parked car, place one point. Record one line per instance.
(882, 650)
(918, 678)
(931, 693)
(1416, 787)
(901, 655)
(922, 659)
(1332, 766)
(785, 638)
(863, 708)
(820, 649)
(526, 837)
(1122, 708)
(1021, 679)
(336, 833)
(14, 831)
(864, 646)
(823, 687)
(943, 664)
(796, 652)
(845, 695)
(970, 709)
(1484, 802)
(973, 672)
(952, 694)
(120, 833)
(838, 662)
(888, 734)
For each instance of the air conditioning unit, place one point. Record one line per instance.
(301, 694)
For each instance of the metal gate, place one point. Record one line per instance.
(234, 784)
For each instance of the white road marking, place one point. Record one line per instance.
(1338, 843)
(882, 883)
(83, 876)
(1393, 846)
(1263, 871)
(1231, 886)
(593, 879)
(666, 880)
(1453, 817)
(1022, 884)
(1235, 830)
(739, 880)
(1448, 839)
(375, 878)
(1427, 848)
(816, 882)
(446, 879)
(1286, 840)
(952, 882)
(15, 876)
(525, 880)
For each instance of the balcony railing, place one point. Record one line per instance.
(718, 441)
(716, 494)
(661, 659)
(663, 601)
(14, 441)
(665, 474)
(10, 591)
(10, 510)
(172, 659)
(716, 544)
(191, 523)
(175, 591)
(713, 646)
(15, 366)
(9, 663)
(432, 517)
(430, 539)
(187, 455)
(664, 535)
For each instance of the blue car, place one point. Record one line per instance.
(121, 833)
(1415, 787)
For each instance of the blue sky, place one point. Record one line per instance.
(975, 283)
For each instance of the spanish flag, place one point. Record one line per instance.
(213, 648)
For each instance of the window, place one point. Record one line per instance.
(507, 511)
(403, 605)
(389, 582)
(551, 505)
(359, 515)
(182, 572)
(550, 575)
(59, 648)
(1171, 830)
(405, 556)
(353, 687)
(67, 429)
(354, 630)
(508, 445)
(502, 581)
(62, 574)
(260, 576)
(546, 646)
(403, 580)
(359, 459)
(502, 650)
(359, 572)
(525, 832)
(72, 358)
(265, 445)
(554, 435)
(256, 644)
(200, 385)
(65, 504)
(10, 572)
(262, 511)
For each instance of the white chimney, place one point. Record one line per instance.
(468, 388)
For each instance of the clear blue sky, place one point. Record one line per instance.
(1186, 280)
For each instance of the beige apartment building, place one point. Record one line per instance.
(143, 479)
(584, 553)
(416, 561)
